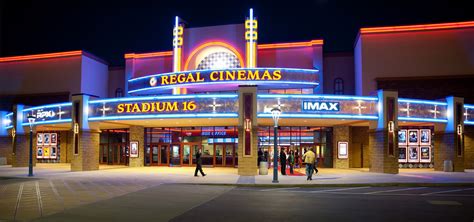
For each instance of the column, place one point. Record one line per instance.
(469, 147)
(341, 134)
(5, 140)
(248, 128)
(86, 139)
(383, 135)
(137, 134)
(21, 140)
(448, 137)
(65, 143)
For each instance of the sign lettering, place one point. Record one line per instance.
(147, 107)
(320, 106)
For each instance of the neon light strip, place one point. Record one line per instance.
(419, 101)
(422, 119)
(323, 116)
(251, 47)
(148, 55)
(175, 45)
(142, 98)
(161, 116)
(468, 122)
(311, 71)
(225, 82)
(41, 56)
(48, 122)
(8, 127)
(291, 44)
(9, 114)
(418, 27)
(468, 106)
(305, 96)
(48, 106)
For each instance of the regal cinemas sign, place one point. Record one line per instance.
(217, 75)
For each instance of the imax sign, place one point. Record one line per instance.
(320, 106)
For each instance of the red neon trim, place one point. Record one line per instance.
(406, 28)
(291, 44)
(41, 56)
(148, 55)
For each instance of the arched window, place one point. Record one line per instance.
(119, 92)
(338, 86)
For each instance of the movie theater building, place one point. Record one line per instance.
(382, 107)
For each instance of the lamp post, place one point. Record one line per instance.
(275, 115)
(31, 121)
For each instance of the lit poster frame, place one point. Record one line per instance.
(402, 137)
(134, 149)
(46, 153)
(413, 137)
(39, 153)
(425, 154)
(413, 154)
(402, 154)
(425, 137)
(54, 151)
(46, 139)
(342, 150)
(54, 139)
(39, 139)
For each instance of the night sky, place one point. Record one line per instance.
(109, 29)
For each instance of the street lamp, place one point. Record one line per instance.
(275, 115)
(31, 121)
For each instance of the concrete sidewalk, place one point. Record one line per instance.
(229, 176)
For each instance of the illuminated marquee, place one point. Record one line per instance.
(147, 107)
(258, 76)
(320, 106)
(54, 113)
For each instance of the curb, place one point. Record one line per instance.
(335, 185)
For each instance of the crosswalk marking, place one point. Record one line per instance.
(18, 199)
(446, 191)
(38, 196)
(396, 190)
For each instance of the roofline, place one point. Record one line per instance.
(423, 27)
(51, 56)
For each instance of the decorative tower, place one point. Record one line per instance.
(178, 51)
(251, 39)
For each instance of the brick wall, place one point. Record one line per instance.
(88, 156)
(360, 146)
(65, 139)
(6, 148)
(469, 147)
(248, 165)
(22, 151)
(137, 133)
(445, 149)
(380, 161)
(341, 134)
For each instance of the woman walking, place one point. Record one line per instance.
(291, 161)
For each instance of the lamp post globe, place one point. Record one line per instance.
(31, 121)
(276, 112)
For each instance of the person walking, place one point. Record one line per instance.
(198, 164)
(283, 161)
(315, 166)
(291, 161)
(308, 159)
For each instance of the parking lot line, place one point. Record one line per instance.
(396, 190)
(340, 189)
(446, 191)
(275, 189)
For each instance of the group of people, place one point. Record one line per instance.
(292, 159)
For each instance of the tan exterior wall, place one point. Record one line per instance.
(341, 134)
(137, 133)
(88, 156)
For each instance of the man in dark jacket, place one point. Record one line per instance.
(198, 164)
(283, 161)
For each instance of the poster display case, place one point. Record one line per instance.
(402, 137)
(413, 154)
(413, 137)
(402, 154)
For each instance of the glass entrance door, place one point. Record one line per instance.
(154, 155)
(175, 155)
(164, 154)
(219, 152)
(186, 154)
(229, 155)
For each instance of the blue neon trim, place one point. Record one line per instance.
(224, 82)
(468, 106)
(48, 106)
(141, 98)
(419, 101)
(8, 127)
(322, 116)
(468, 122)
(9, 114)
(206, 70)
(161, 116)
(422, 119)
(316, 96)
(48, 122)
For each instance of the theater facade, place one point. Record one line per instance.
(215, 91)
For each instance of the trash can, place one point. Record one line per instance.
(263, 170)
(448, 166)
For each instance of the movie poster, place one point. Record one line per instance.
(39, 153)
(47, 139)
(413, 138)
(53, 152)
(134, 149)
(402, 137)
(413, 154)
(46, 153)
(402, 154)
(425, 154)
(39, 139)
(425, 137)
(54, 138)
